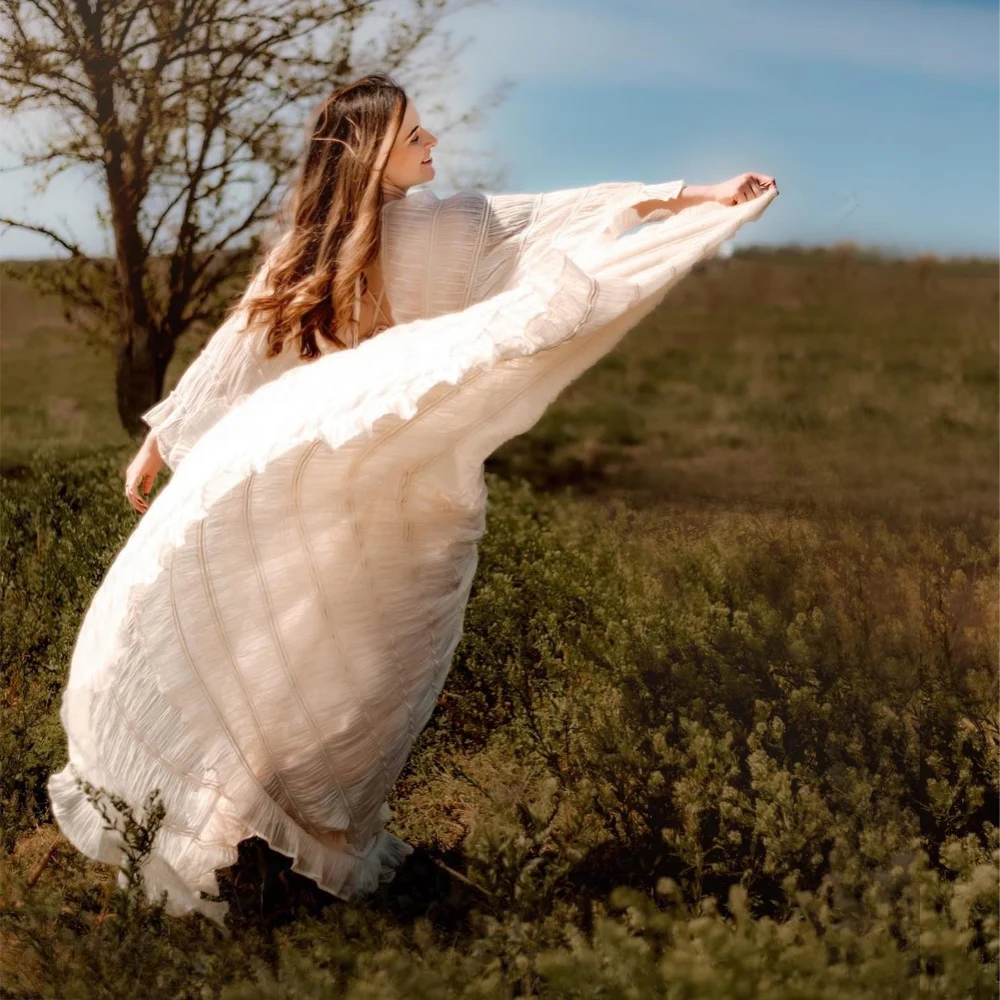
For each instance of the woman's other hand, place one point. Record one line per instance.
(142, 472)
(742, 187)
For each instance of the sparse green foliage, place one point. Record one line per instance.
(80, 936)
(137, 836)
(61, 528)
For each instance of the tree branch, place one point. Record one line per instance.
(73, 248)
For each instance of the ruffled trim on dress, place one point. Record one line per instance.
(186, 856)
(357, 873)
(622, 214)
(178, 429)
(166, 419)
(84, 828)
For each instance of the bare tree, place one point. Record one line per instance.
(190, 113)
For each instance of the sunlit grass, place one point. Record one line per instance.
(733, 644)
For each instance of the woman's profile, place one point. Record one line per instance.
(276, 631)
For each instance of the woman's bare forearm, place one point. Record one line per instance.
(741, 188)
(690, 194)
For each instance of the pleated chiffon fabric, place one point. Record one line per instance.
(275, 633)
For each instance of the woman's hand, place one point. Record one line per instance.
(742, 187)
(142, 472)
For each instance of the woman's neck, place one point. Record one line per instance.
(391, 191)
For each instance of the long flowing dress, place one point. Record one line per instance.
(277, 629)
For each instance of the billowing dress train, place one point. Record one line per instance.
(276, 631)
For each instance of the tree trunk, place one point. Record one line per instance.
(140, 353)
(140, 366)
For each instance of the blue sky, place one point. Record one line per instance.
(879, 118)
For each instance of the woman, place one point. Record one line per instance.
(276, 631)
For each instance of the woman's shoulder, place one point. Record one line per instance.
(425, 200)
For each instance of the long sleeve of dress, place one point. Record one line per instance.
(230, 365)
(443, 255)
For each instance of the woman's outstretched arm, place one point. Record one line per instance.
(445, 254)
(742, 187)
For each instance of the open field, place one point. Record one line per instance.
(773, 378)
(723, 719)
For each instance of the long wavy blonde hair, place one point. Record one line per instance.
(335, 228)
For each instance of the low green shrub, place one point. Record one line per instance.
(679, 754)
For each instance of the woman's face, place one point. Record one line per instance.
(405, 165)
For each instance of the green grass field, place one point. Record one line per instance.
(722, 721)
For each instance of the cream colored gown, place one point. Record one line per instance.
(275, 633)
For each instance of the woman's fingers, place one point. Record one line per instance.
(743, 187)
(754, 185)
(133, 493)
